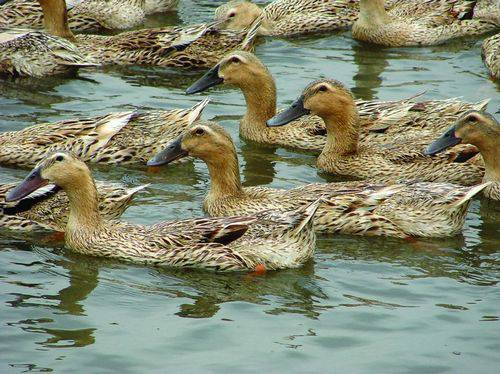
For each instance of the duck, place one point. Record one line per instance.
(490, 52)
(223, 244)
(403, 210)
(84, 15)
(123, 138)
(37, 53)
(195, 46)
(482, 130)
(417, 23)
(382, 121)
(287, 18)
(46, 210)
(344, 155)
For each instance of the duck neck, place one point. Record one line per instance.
(490, 151)
(83, 205)
(342, 134)
(260, 98)
(372, 12)
(224, 176)
(55, 18)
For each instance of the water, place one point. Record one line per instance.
(362, 304)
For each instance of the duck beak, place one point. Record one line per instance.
(447, 140)
(296, 110)
(210, 79)
(172, 152)
(31, 183)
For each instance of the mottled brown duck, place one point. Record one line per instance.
(116, 138)
(417, 23)
(360, 208)
(223, 244)
(344, 155)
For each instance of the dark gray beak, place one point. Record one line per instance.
(31, 183)
(210, 79)
(172, 152)
(296, 110)
(447, 140)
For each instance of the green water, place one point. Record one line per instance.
(362, 304)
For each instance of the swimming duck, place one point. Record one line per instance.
(482, 130)
(381, 120)
(116, 138)
(85, 15)
(47, 209)
(361, 208)
(37, 53)
(189, 47)
(416, 23)
(288, 17)
(213, 243)
(490, 52)
(344, 155)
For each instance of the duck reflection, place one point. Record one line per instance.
(258, 168)
(371, 62)
(296, 289)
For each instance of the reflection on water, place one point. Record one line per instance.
(433, 304)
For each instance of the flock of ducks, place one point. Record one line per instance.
(413, 166)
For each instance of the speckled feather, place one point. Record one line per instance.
(490, 51)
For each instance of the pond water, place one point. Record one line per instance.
(362, 304)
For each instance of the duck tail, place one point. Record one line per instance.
(473, 191)
(196, 110)
(304, 217)
(248, 42)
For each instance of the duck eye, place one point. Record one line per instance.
(59, 158)
(472, 118)
(322, 88)
(199, 131)
(235, 60)
(232, 14)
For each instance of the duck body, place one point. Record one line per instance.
(274, 240)
(116, 138)
(35, 53)
(490, 51)
(416, 24)
(85, 15)
(193, 47)
(360, 208)
(345, 155)
(47, 210)
(380, 121)
(159, 6)
(289, 17)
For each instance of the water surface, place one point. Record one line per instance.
(362, 304)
